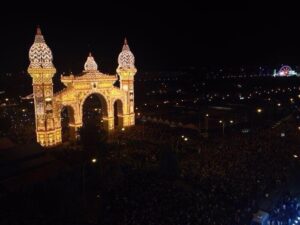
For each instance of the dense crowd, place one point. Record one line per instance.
(222, 180)
(151, 175)
(286, 211)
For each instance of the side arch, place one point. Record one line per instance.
(68, 128)
(70, 111)
(118, 112)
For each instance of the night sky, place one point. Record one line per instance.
(161, 38)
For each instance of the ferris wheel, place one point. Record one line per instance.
(285, 70)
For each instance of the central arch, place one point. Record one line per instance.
(98, 110)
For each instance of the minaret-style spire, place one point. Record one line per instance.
(39, 38)
(125, 45)
(41, 70)
(40, 54)
(126, 71)
(126, 58)
(38, 30)
(90, 64)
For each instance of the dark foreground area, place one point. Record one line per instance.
(155, 178)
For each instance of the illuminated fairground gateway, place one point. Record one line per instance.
(48, 105)
(285, 71)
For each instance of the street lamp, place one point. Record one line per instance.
(206, 123)
(259, 110)
(223, 126)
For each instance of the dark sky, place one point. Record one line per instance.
(161, 37)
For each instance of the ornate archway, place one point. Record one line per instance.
(102, 99)
(91, 81)
(101, 112)
(67, 115)
(118, 113)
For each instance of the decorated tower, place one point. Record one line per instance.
(42, 71)
(126, 71)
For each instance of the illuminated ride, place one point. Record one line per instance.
(49, 105)
(285, 71)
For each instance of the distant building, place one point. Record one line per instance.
(285, 71)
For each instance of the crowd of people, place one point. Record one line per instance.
(155, 175)
(222, 180)
(286, 211)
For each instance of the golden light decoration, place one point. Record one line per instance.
(48, 105)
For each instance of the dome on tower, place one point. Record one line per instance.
(90, 64)
(40, 54)
(126, 58)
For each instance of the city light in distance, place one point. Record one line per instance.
(259, 110)
(94, 160)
